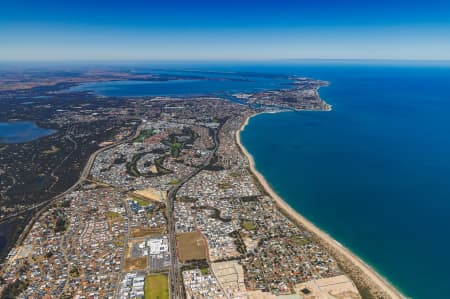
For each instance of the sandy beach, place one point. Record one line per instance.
(359, 271)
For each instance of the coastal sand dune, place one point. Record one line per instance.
(363, 275)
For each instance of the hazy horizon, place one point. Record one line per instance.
(180, 63)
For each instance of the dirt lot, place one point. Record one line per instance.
(147, 232)
(191, 246)
(135, 263)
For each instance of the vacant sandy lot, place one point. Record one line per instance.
(191, 246)
(135, 263)
(151, 194)
(339, 287)
(140, 232)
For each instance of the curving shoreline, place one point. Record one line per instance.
(363, 274)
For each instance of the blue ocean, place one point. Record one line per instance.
(375, 171)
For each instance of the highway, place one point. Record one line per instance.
(175, 280)
(41, 207)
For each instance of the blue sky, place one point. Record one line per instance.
(233, 30)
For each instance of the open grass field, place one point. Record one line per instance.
(114, 217)
(205, 271)
(248, 225)
(300, 241)
(143, 134)
(156, 286)
(142, 201)
(135, 263)
(191, 246)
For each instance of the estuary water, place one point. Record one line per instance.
(218, 84)
(21, 131)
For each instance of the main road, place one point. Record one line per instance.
(176, 284)
(41, 207)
